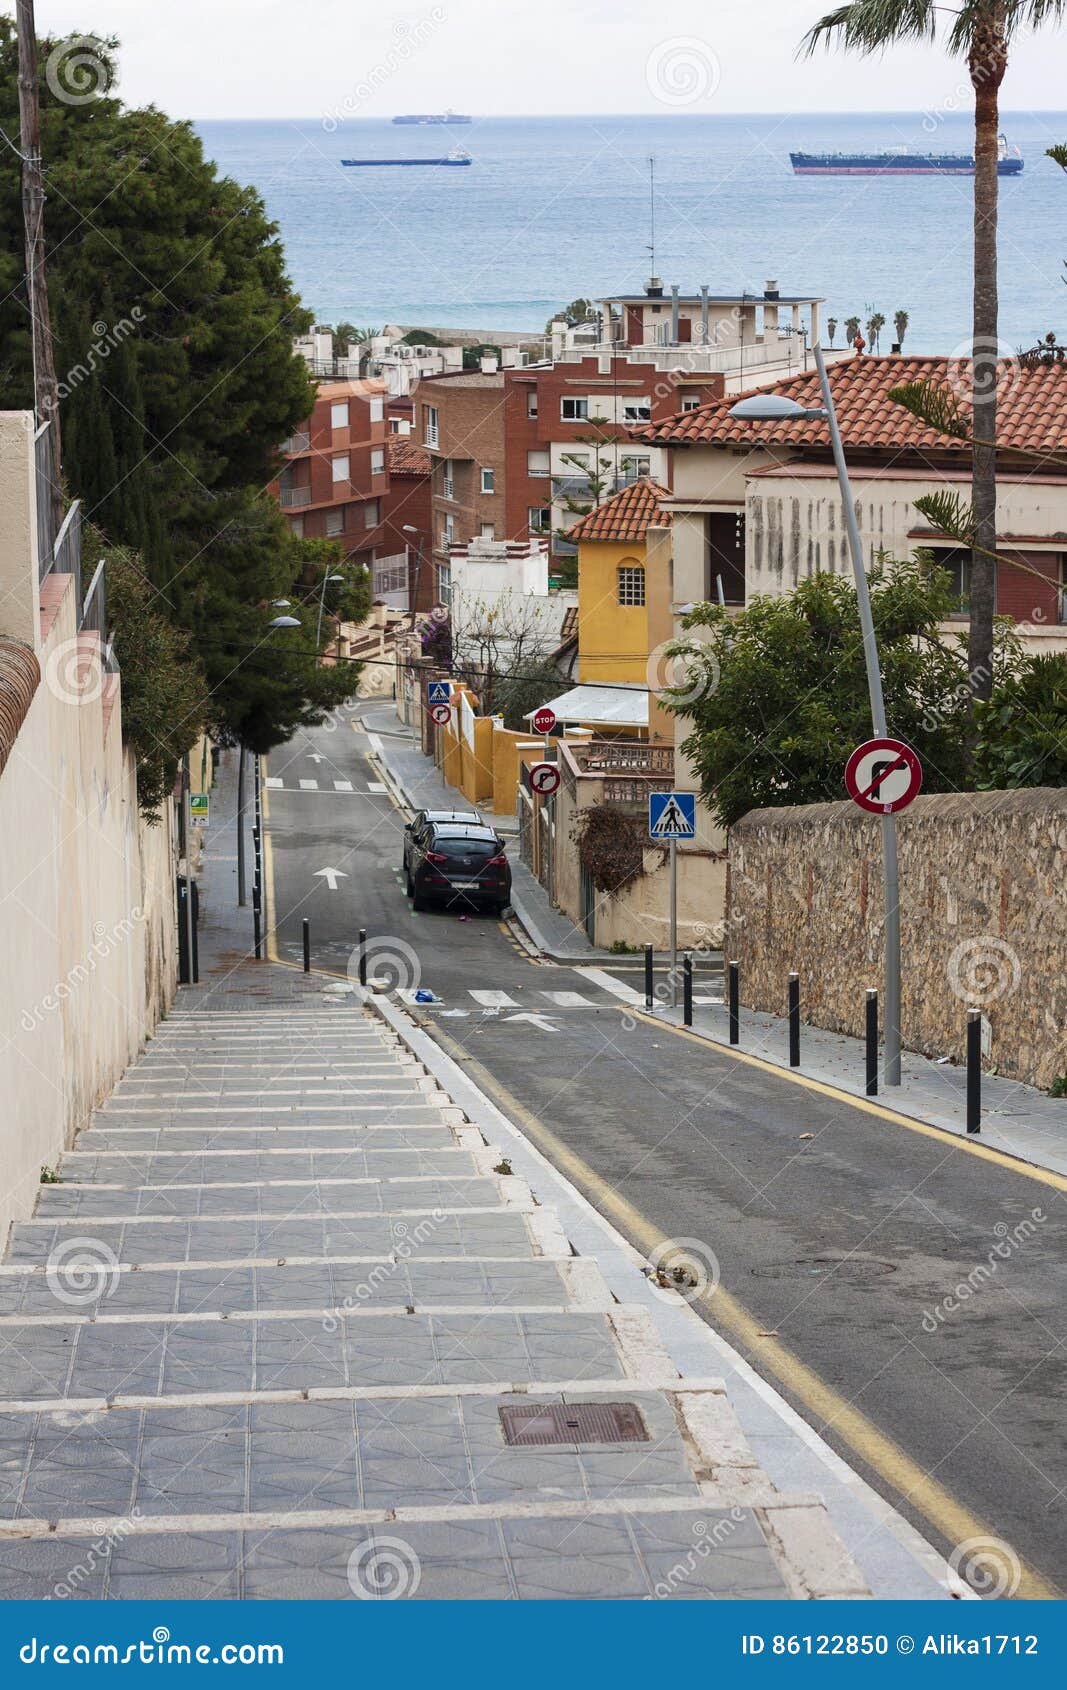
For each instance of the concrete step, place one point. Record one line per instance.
(380, 1135)
(84, 1167)
(465, 1186)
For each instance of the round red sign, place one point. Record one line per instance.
(441, 713)
(883, 776)
(545, 779)
(544, 720)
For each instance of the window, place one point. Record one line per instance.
(296, 525)
(377, 410)
(726, 556)
(531, 401)
(691, 401)
(444, 584)
(539, 519)
(488, 480)
(636, 411)
(449, 483)
(631, 584)
(430, 420)
(371, 517)
(339, 414)
(957, 561)
(377, 462)
(632, 466)
(335, 521)
(339, 468)
(574, 410)
(1063, 587)
(488, 530)
(448, 530)
(538, 463)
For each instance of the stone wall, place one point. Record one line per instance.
(983, 881)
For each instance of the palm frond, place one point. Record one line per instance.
(1058, 154)
(867, 26)
(948, 514)
(935, 406)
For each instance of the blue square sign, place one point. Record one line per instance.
(672, 815)
(438, 692)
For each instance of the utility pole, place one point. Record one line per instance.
(45, 388)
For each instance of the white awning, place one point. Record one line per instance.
(621, 706)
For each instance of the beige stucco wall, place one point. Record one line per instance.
(983, 880)
(86, 888)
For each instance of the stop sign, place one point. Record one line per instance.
(544, 720)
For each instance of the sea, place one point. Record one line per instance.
(555, 208)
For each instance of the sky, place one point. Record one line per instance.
(304, 58)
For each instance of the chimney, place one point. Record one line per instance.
(654, 290)
(704, 314)
(771, 290)
(490, 366)
(674, 313)
(558, 334)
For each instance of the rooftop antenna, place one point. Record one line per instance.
(652, 214)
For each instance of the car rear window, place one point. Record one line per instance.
(476, 850)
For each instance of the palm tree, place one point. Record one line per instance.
(900, 326)
(831, 329)
(875, 325)
(982, 31)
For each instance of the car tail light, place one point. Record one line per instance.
(436, 857)
(497, 862)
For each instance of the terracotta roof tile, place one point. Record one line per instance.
(627, 515)
(407, 457)
(1031, 411)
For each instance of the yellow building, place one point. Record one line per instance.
(613, 587)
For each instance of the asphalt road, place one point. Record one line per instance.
(840, 1238)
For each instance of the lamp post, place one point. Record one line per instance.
(409, 528)
(771, 407)
(242, 879)
(327, 580)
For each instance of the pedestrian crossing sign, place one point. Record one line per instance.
(437, 692)
(672, 815)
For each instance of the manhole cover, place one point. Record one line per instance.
(573, 1423)
(853, 1267)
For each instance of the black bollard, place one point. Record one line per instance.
(872, 1042)
(307, 946)
(648, 977)
(687, 990)
(363, 956)
(733, 974)
(255, 931)
(794, 1020)
(974, 1070)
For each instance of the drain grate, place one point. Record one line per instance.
(573, 1423)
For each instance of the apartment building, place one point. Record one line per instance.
(336, 475)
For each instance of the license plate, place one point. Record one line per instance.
(464, 885)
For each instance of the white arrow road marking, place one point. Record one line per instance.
(541, 1022)
(494, 1000)
(331, 876)
(309, 786)
(314, 757)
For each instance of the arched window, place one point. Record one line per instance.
(631, 583)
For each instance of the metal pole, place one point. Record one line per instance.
(687, 989)
(734, 994)
(363, 956)
(890, 877)
(648, 977)
(256, 931)
(322, 606)
(188, 820)
(307, 945)
(794, 1020)
(974, 1070)
(872, 1042)
(241, 887)
(674, 922)
(45, 387)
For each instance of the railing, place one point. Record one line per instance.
(345, 369)
(596, 756)
(94, 608)
(693, 359)
(298, 442)
(290, 496)
(46, 522)
(67, 552)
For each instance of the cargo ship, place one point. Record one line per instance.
(453, 160)
(902, 163)
(433, 117)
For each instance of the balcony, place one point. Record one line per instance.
(627, 770)
(291, 497)
(299, 442)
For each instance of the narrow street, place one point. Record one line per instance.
(838, 1235)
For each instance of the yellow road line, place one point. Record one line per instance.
(984, 1152)
(949, 1518)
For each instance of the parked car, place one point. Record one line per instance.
(462, 863)
(421, 822)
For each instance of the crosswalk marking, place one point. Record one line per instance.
(598, 977)
(274, 780)
(376, 786)
(342, 786)
(568, 1000)
(309, 786)
(494, 1000)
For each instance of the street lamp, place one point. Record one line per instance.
(773, 407)
(284, 622)
(409, 528)
(327, 580)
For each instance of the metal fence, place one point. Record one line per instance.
(67, 553)
(46, 522)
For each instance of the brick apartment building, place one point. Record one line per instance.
(407, 567)
(517, 453)
(335, 480)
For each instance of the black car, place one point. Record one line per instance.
(422, 821)
(459, 864)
